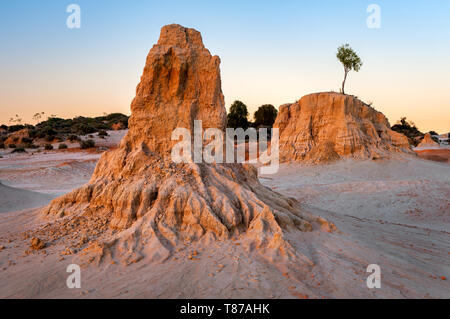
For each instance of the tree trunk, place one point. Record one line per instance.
(343, 83)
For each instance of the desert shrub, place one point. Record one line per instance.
(87, 144)
(12, 146)
(50, 138)
(84, 129)
(115, 118)
(409, 129)
(102, 133)
(31, 145)
(2, 145)
(39, 134)
(47, 130)
(19, 150)
(26, 140)
(32, 133)
(48, 147)
(15, 128)
(73, 138)
(62, 146)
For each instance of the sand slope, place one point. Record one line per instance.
(393, 213)
(14, 199)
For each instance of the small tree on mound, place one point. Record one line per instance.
(237, 117)
(350, 60)
(265, 115)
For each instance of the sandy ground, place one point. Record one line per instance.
(54, 172)
(441, 154)
(13, 199)
(392, 213)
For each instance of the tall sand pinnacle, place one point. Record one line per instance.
(139, 204)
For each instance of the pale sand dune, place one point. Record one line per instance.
(55, 172)
(14, 199)
(405, 190)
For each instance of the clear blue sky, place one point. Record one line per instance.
(271, 51)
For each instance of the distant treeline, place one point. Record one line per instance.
(55, 126)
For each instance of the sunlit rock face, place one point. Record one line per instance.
(152, 204)
(324, 127)
(427, 141)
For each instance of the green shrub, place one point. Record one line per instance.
(31, 145)
(102, 133)
(48, 147)
(40, 134)
(87, 144)
(32, 133)
(50, 138)
(62, 146)
(12, 146)
(83, 129)
(2, 145)
(19, 150)
(73, 138)
(26, 140)
(15, 128)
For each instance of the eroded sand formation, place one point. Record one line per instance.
(427, 141)
(139, 204)
(324, 127)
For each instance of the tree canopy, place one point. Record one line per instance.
(265, 115)
(237, 116)
(350, 60)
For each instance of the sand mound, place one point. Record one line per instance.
(17, 137)
(324, 127)
(15, 199)
(140, 204)
(427, 141)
